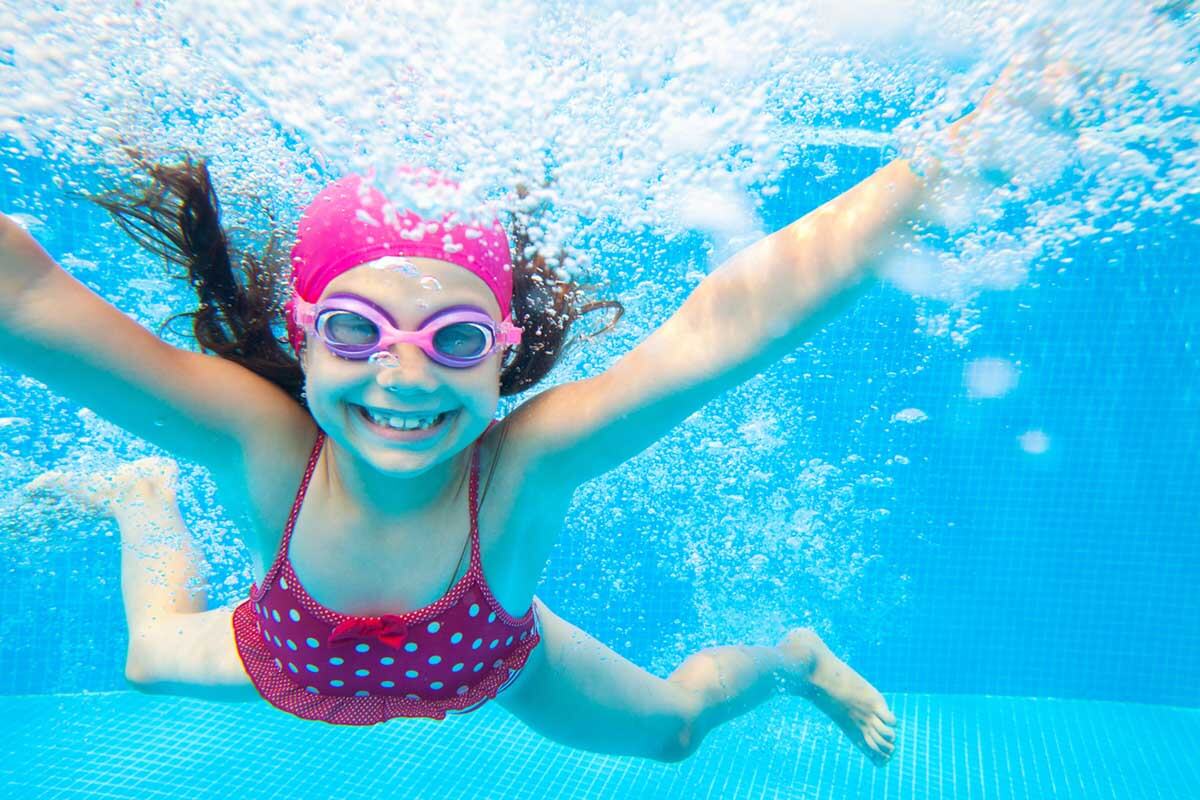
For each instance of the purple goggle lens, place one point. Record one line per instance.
(355, 328)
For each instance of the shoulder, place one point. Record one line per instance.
(519, 501)
(513, 451)
(268, 478)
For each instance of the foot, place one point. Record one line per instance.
(104, 492)
(845, 696)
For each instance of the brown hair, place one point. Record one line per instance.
(177, 216)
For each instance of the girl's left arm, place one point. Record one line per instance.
(755, 308)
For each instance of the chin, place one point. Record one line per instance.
(401, 465)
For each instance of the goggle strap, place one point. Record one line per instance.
(303, 312)
(507, 333)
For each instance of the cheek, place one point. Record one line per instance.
(482, 386)
(316, 392)
(324, 379)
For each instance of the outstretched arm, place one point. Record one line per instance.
(758, 306)
(755, 308)
(57, 330)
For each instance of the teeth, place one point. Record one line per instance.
(403, 423)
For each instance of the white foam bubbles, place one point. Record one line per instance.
(721, 215)
(1034, 442)
(910, 416)
(915, 272)
(989, 378)
(27, 221)
(76, 264)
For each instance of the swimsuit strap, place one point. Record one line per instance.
(476, 561)
(285, 545)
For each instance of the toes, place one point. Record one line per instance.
(879, 751)
(869, 750)
(878, 743)
(53, 492)
(877, 758)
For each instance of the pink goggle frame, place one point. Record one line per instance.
(459, 337)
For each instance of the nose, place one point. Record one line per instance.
(405, 369)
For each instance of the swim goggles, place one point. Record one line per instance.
(355, 328)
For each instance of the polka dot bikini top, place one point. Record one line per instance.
(449, 657)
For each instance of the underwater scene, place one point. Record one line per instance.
(849, 446)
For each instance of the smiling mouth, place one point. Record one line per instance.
(404, 427)
(403, 422)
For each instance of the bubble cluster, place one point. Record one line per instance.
(41, 526)
(662, 116)
(990, 377)
(1092, 137)
(629, 126)
(734, 527)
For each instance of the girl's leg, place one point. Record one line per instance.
(578, 692)
(175, 645)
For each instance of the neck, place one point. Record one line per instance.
(383, 496)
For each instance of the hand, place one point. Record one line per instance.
(1031, 89)
(1047, 97)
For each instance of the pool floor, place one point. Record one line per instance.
(129, 745)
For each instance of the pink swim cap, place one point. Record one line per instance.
(350, 222)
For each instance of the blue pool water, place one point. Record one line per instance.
(1000, 530)
(1044, 638)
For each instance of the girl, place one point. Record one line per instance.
(358, 612)
(364, 491)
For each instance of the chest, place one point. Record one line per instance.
(368, 568)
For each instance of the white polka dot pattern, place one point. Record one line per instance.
(404, 665)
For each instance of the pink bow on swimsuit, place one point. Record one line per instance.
(389, 629)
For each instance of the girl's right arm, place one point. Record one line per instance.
(199, 407)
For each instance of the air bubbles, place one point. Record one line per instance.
(384, 358)
(28, 222)
(724, 214)
(989, 378)
(362, 216)
(430, 283)
(76, 264)
(910, 416)
(395, 264)
(1034, 442)
(917, 273)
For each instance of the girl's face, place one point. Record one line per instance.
(364, 405)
